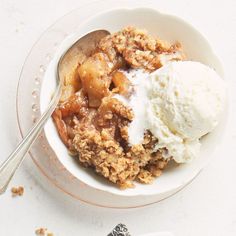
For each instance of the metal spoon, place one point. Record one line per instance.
(73, 56)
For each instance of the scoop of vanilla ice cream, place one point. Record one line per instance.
(188, 97)
(186, 102)
(178, 103)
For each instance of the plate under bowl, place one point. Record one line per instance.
(91, 187)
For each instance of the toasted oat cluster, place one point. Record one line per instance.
(17, 191)
(43, 232)
(93, 124)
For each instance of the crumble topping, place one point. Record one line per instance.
(139, 49)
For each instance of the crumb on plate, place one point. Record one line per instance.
(17, 191)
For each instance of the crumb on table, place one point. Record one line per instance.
(43, 232)
(17, 191)
(50, 234)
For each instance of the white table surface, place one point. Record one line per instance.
(206, 207)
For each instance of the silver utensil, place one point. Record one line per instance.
(74, 55)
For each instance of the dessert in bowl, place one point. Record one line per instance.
(113, 114)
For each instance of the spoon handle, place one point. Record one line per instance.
(10, 165)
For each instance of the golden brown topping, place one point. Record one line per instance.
(113, 106)
(154, 170)
(145, 177)
(141, 50)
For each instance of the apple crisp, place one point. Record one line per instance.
(93, 124)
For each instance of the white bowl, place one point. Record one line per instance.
(166, 27)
